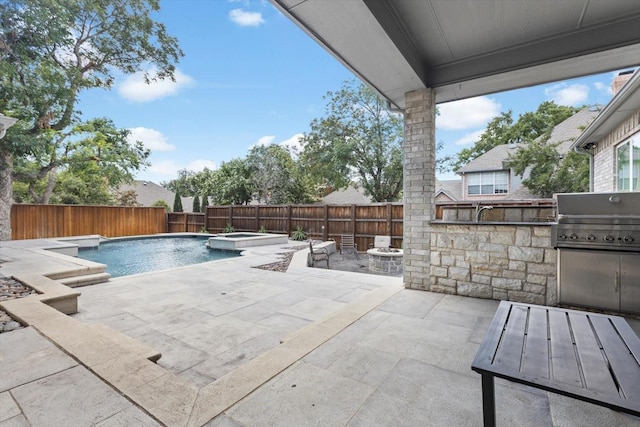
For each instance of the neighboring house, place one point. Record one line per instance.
(147, 193)
(347, 196)
(448, 190)
(613, 139)
(488, 177)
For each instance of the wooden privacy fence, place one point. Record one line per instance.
(318, 221)
(44, 221)
(181, 222)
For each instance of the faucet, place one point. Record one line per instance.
(479, 210)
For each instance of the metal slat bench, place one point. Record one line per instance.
(587, 356)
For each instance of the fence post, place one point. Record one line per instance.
(231, 215)
(353, 220)
(325, 227)
(257, 224)
(389, 219)
(289, 231)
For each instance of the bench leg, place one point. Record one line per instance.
(488, 401)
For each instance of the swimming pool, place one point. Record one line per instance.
(124, 257)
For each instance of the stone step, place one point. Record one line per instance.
(85, 280)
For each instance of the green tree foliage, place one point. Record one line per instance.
(161, 204)
(502, 130)
(205, 203)
(196, 203)
(550, 172)
(357, 140)
(76, 189)
(51, 51)
(177, 202)
(230, 184)
(275, 178)
(91, 157)
(184, 184)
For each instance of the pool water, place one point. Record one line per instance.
(133, 256)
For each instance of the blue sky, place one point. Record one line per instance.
(250, 76)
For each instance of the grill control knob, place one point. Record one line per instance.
(627, 239)
(573, 236)
(562, 237)
(609, 238)
(591, 237)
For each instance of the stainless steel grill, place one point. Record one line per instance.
(608, 221)
(598, 240)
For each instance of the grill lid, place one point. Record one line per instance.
(599, 204)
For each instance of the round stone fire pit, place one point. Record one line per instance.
(385, 260)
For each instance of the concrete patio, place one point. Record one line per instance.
(242, 346)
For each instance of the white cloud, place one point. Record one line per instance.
(565, 94)
(293, 143)
(133, 88)
(164, 168)
(246, 19)
(265, 140)
(470, 138)
(200, 164)
(467, 113)
(603, 88)
(151, 138)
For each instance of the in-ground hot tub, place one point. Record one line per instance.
(385, 260)
(233, 241)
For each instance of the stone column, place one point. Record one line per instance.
(419, 185)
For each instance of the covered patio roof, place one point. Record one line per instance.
(467, 48)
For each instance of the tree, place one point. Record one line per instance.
(51, 51)
(549, 171)
(177, 202)
(95, 155)
(502, 130)
(205, 203)
(161, 204)
(357, 140)
(196, 203)
(127, 198)
(230, 184)
(499, 131)
(274, 177)
(183, 184)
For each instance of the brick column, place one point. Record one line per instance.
(419, 185)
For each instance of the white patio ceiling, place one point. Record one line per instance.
(466, 48)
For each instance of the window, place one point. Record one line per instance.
(488, 183)
(628, 159)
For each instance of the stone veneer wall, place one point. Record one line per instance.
(512, 262)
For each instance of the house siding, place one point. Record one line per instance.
(604, 164)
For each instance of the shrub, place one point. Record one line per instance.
(196, 204)
(262, 229)
(299, 234)
(229, 228)
(177, 203)
(161, 204)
